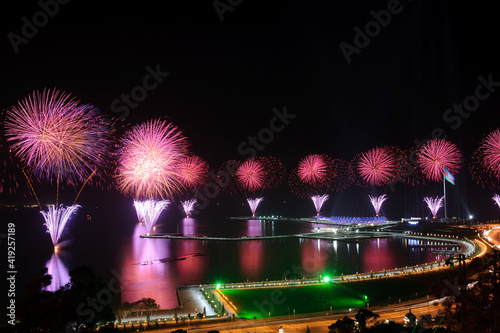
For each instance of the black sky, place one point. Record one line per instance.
(227, 76)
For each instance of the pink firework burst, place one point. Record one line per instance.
(251, 175)
(254, 203)
(491, 152)
(496, 199)
(149, 210)
(57, 137)
(188, 206)
(437, 154)
(56, 219)
(377, 202)
(378, 166)
(313, 169)
(193, 172)
(318, 201)
(148, 160)
(434, 204)
(485, 166)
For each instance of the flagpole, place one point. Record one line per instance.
(444, 190)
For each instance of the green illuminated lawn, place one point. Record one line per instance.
(259, 302)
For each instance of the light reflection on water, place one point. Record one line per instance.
(156, 267)
(58, 271)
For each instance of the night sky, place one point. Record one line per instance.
(229, 67)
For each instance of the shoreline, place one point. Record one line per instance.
(466, 247)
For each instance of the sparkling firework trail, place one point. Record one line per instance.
(496, 198)
(437, 154)
(148, 160)
(434, 204)
(188, 206)
(150, 210)
(251, 175)
(58, 138)
(56, 219)
(313, 169)
(318, 201)
(254, 203)
(377, 202)
(378, 166)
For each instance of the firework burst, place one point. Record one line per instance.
(496, 199)
(377, 202)
(491, 152)
(378, 166)
(318, 201)
(434, 204)
(193, 172)
(313, 169)
(56, 219)
(254, 203)
(188, 206)
(58, 138)
(150, 210)
(318, 173)
(437, 154)
(251, 175)
(148, 160)
(485, 166)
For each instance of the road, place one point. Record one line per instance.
(493, 237)
(316, 324)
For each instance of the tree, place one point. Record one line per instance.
(37, 308)
(89, 305)
(148, 305)
(475, 308)
(123, 311)
(180, 330)
(363, 316)
(76, 303)
(344, 325)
